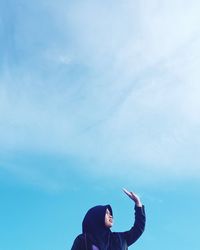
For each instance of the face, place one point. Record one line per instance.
(108, 219)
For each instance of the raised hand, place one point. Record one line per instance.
(133, 197)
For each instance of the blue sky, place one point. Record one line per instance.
(96, 96)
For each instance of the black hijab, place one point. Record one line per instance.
(94, 228)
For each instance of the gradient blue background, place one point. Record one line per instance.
(96, 96)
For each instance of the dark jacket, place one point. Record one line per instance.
(95, 233)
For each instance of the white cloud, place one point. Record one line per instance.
(124, 90)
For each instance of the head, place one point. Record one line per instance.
(98, 219)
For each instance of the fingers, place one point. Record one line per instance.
(129, 193)
(132, 195)
(126, 192)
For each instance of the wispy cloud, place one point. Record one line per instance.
(110, 83)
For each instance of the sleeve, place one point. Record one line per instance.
(78, 243)
(138, 228)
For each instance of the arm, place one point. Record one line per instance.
(138, 228)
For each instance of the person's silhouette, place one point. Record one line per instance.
(96, 233)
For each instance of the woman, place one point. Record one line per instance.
(96, 228)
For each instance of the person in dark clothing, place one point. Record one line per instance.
(96, 233)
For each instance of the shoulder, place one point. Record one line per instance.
(80, 238)
(78, 242)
